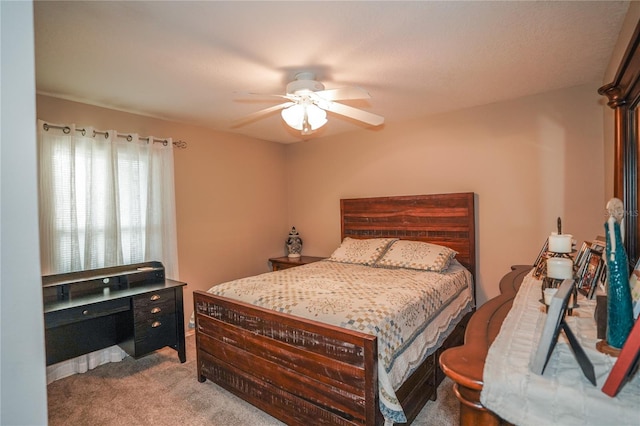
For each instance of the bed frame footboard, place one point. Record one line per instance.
(297, 370)
(300, 371)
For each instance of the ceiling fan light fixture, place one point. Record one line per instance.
(308, 102)
(304, 117)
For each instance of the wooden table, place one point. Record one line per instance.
(280, 263)
(465, 364)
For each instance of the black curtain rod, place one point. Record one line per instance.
(67, 130)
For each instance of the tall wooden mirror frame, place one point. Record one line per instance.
(624, 97)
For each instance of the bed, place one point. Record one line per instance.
(309, 371)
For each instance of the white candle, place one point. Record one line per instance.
(560, 243)
(559, 268)
(548, 295)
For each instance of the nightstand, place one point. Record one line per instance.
(280, 263)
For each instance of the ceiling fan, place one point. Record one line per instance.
(308, 101)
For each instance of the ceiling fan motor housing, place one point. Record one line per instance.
(304, 82)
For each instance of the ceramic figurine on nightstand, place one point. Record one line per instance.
(294, 243)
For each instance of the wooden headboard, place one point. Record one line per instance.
(444, 219)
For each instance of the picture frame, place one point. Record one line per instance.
(626, 364)
(554, 323)
(551, 330)
(603, 279)
(634, 283)
(598, 245)
(590, 273)
(582, 254)
(582, 267)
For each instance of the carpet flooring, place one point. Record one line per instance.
(158, 390)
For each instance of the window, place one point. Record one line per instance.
(104, 200)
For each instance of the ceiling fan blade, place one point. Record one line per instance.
(355, 113)
(255, 96)
(259, 114)
(343, 93)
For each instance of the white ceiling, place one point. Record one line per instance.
(188, 61)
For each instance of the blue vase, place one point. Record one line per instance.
(619, 305)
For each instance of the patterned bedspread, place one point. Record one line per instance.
(411, 312)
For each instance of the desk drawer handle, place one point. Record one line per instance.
(155, 310)
(85, 312)
(156, 324)
(155, 297)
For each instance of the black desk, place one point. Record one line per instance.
(132, 306)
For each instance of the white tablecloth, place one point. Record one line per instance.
(563, 395)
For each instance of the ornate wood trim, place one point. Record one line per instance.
(465, 364)
(624, 95)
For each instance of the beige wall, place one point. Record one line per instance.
(230, 197)
(529, 161)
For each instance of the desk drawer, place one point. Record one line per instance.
(154, 304)
(85, 312)
(155, 333)
(154, 316)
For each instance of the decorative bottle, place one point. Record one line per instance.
(294, 243)
(619, 306)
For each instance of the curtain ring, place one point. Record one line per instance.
(66, 130)
(94, 134)
(84, 132)
(45, 126)
(106, 135)
(165, 142)
(129, 138)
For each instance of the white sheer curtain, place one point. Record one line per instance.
(105, 200)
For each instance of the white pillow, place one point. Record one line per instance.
(416, 255)
(361, 251)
